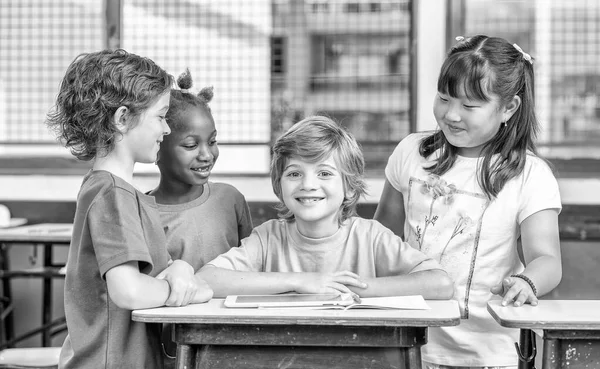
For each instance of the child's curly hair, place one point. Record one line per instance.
(182, 100)
(314, 139)
(95, 85)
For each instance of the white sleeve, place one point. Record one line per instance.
(396, 166)
(248, 257)
(539, 189)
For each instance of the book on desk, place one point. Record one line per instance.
(388, 303)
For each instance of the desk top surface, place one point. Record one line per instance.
(59, 233)
(549, 314)
(442, 313)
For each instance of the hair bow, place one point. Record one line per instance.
(525, 55)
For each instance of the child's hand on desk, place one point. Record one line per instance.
(515, 290)
(204, 292)
(328, 282)
(180, 276)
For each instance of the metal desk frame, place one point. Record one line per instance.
(48, 235)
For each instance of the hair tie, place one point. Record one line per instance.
(459, 38)
(525, 55)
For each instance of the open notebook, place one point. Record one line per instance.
(387, 303)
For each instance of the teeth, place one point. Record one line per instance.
(309, 199)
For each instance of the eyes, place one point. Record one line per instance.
(466, 103)
(194, 145)
(294, 174)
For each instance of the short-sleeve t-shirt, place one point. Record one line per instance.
(361, 246)
(474, 239)
(202, 229)
(114, 224)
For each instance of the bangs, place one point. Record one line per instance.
(310, 154)
(465, 75)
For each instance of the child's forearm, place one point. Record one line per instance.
(231, 282)
(431, 284)
(129, 289)
(545, 272)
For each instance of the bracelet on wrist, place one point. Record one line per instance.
(528, 280)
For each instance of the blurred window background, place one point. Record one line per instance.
(38, 40)
(273, 62)
(564, 39)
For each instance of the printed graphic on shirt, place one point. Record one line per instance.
(445, 223)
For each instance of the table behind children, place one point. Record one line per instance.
(211, 335)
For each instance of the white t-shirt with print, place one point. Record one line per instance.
(474, 239)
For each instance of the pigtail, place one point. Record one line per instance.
(185, 81)
(206, 94)
(183, 100)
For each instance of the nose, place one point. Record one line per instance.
(204, 154)
(309, 183)
(452, 113)
(166, 128)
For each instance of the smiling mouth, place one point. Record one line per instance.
(309, 200)
(454, 128)
(201, 170)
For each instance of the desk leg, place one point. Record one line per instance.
(185, 357)
(526, 349)
(551, 358)
(47, 297)
(6, 322)
(413, 358)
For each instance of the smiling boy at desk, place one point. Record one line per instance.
(319, 245)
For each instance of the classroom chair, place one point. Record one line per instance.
(30, 358)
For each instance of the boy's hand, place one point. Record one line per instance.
(204, 292)
(515, 290)
(180, 276)
(328, 282)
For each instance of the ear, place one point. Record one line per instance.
(511, 108)
(120, 118)
(349, 194)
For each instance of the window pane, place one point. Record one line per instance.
(38, 40)
(564, 38)
(271, 62)
(225, 44)
(349, 60)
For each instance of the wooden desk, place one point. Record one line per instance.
(48, 235)
(571, 329)
(212, 336)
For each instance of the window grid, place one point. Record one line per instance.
(568, 105)
(225, 44)
(38, 40)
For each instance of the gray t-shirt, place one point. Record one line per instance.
(200, 230)
(114, 224)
